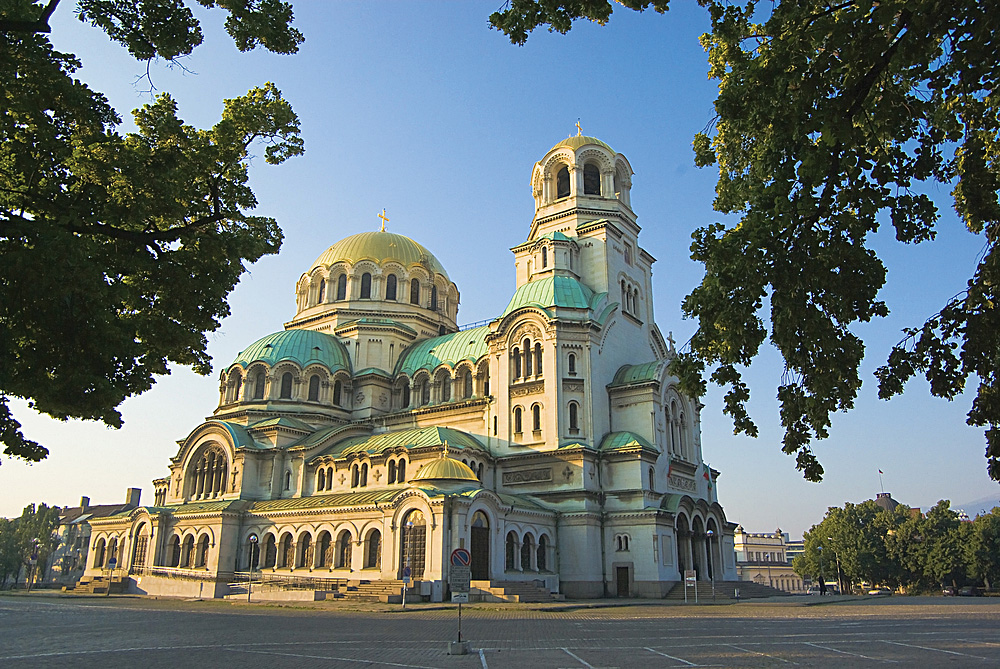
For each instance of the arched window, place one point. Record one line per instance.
(392, 472)
(545, 257)
(516, 357)
(287, 552)
(325, 545)
(444, 381)
(288, 481)
(415, 291)
(510, 550)
(342, 287)
(652, 479)
(536, 418)
(207, 473)
(329, 478)
(305, 551)
(527, 358)
(562, 182)
(425, 392)
(270, 552)
(321, 479)
(574, 416)
(405, 400)
(235, 382)
(201, 559)
(517, 420)
(99, 551)
(479, 472)
(527, 548)
(390, 287)
(314, 388)
(571, 360)
(467, 385)
(434, 298)
(355, 475)
(258, 386)
(591, 180)
(366, 286)
(373, 550)
(540, 557)
(363, 480)
(321, 294)
(187, 553)
(401, 471)
(338, 391)
(174, 554)
(538, 359)
(286, 386)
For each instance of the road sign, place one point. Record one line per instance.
(112, 563)
(461, 557)
(459, 598)
(406, 575)
(460, 577)
(690, 577)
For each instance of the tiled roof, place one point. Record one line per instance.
(449, 349)
(631, 374)
(409, 439)
(362, 498)
(552, 291)
(624, 440)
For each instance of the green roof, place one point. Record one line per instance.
(624, 440)
(577, 141)
(380, 247)
(552, 291)
(241, 438)
(342, 500)
(643, 373)
(283, 421)
(449, 349)
(303, 347)
(194, 507)
(410, 439)
(555, 235)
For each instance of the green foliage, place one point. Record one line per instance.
(831, 119)
(520, 17)
(983, 549)
(18, 540)
(118, 251)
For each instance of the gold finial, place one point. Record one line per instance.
(579, 130)
(384, 219)
(444, 451)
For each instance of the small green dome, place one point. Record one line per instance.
(577, 141)
(380, 247)
(551, 291)
(303, 347)
(445, 468)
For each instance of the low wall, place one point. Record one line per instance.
(162, 586)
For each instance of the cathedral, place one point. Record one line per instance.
(374, 435)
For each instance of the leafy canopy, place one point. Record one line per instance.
(117, 251)
(832, 119)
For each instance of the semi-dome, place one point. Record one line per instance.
(446, 469)
(379, 247)
(303, 347)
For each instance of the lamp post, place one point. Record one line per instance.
(822, 578)
(253, 548)
(711, 565)
(407, 571)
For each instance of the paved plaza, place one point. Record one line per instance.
(50, 631)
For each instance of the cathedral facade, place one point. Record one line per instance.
(373, 435)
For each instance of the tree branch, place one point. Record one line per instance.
(39, 26)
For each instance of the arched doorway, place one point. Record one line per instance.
(139, 549)
(413, 544)
(480, 547)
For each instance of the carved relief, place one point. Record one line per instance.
(527, 476)
(572, 386)
(532, 388)
(682, 484)
(529, 330)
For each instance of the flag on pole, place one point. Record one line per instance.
(880, 471)
(707, 475)
(670, 467)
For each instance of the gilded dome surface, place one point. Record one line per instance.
(576, 141)
(445, 468)
(303, 347)
(379, 247)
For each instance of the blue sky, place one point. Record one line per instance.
(421, 109)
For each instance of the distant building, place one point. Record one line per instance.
(69, 559)
(765, 559)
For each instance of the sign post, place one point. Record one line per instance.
(112, 563)
(690, 581)
(460, 578)
(406, 581)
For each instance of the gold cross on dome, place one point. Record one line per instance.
(444, 451)
(384, 218)
(579, 130)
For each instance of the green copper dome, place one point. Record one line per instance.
(552, 291)
(577, 141)
(445, 469)
(380, 247)
(303, 347)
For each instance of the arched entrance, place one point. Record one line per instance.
(413, 544)
(480, 547)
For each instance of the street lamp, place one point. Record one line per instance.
(253, 548)
(711, 567)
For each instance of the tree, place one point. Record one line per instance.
(18, 540)
(833, 118)
(117, 251)
(983, 549)
(10, 555)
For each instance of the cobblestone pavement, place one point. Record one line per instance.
(42, 630)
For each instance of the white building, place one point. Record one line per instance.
(373, 433)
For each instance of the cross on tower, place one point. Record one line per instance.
(384, 219)
(579, 130)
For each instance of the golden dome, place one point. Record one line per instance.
(380, 247)
(445, 468)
